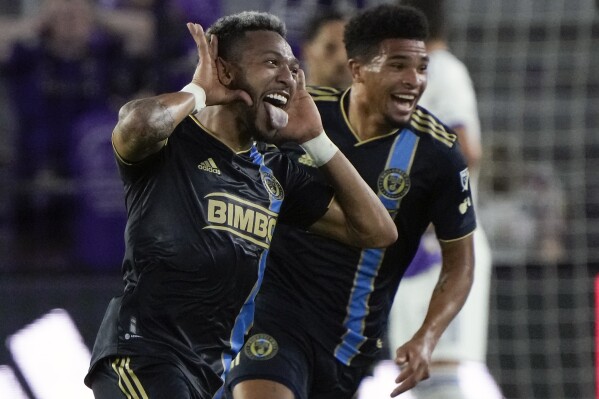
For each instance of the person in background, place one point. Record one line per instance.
(458, 368)
(58, 63)
(321, 315)
(322, 51)
(202, 205)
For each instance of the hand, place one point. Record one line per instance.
(304, 119)
(414, 360)
(206, 73)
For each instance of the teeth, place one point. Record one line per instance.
(407, 97)
(278, 98)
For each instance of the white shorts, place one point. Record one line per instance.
(466, 336)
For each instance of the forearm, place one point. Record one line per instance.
(146, 123)
(452, 289)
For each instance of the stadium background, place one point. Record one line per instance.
(534, 64)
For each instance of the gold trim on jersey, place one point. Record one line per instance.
(350, 127)
(459, 238)
(323, 93)
(213, 134)
(427, 124)
(127, 379)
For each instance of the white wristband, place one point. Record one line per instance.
(198, 93)
(321, 149)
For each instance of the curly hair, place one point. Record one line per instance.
(231, 29)
(366, 30)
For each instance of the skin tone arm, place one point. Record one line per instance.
(356, 216)
(145, 124)
(449, 295)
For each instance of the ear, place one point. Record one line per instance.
(355, 68)
(225, 71)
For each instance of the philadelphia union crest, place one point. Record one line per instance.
(272, 185)
(261, 347)
(394, 183)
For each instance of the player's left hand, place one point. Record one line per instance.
(414, 360)
(304, 122)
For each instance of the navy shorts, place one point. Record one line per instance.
(290, 356)
(140, 377)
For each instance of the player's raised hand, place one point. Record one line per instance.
(304, 121)
(206, 73)
(414, 359)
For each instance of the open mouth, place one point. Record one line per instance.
(404, 99)
(276, 99)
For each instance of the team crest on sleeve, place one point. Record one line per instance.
(465, 179)
(261, 347)
(272, 185)
(394, 183)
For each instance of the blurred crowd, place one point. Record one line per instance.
(66, 67)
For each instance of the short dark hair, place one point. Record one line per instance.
(365, 31)
(230, 29)
(318, 20)
(435, 15)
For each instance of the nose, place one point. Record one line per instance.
(411, 78)
(285, 75)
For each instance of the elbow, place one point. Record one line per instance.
(388, 236)
(382, 236)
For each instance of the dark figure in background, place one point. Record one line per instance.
(321, 315)
(202, 205)
(59, 64)
(322, 51)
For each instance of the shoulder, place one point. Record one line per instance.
(429, 127)
(324, 93)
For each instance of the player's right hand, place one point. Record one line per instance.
(206, 72)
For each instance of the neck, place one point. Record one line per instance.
(365, 120)
(224, 122)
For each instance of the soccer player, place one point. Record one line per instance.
(202, 206)
(323, 54)
(322, 312)
(458, 368)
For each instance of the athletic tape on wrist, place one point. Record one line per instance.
(199, 94)
(321, 149)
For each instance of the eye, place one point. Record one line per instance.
(272, 62)
(397, 65)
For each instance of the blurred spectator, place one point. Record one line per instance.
(60, 63)
(323, 53)
(172, 57)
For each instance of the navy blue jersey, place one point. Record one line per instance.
(340, 294)
(200, 223)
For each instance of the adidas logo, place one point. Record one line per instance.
(209, 166)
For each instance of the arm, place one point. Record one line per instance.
(356, 216)
(145, 124)
(449, 295)
(471, 147)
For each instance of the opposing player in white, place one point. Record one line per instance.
(459, 368)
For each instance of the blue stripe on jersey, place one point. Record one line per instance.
(400, 157)
(245, 318)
